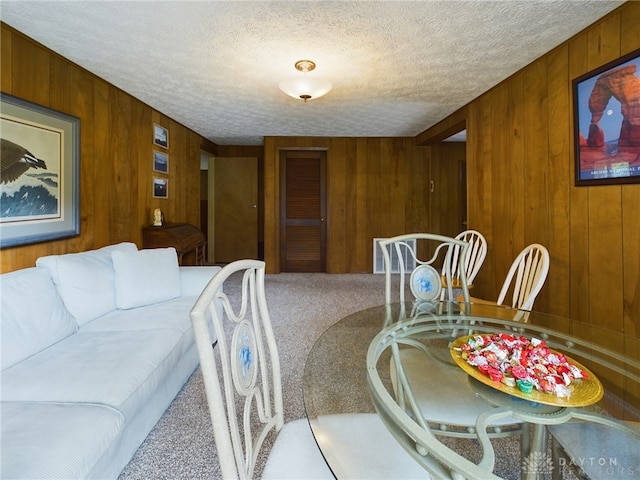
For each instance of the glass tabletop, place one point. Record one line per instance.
(359, 364)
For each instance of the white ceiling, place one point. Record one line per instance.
(214, 66)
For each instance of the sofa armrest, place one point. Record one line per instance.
(194, 279)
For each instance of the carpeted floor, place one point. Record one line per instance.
(302, 307)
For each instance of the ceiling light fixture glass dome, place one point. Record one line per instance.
(305, 86)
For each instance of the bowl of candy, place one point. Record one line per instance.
(527, 368)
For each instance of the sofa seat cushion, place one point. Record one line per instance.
(85, 280)
(55, 441)
(33, 315)
(118, 369)
(173, 314)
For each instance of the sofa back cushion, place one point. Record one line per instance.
(33, 315)
(85, 280)
(145, 277)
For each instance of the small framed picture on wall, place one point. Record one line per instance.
(160, 136)
(160, 187)
(160, 162)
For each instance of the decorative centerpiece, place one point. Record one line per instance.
(520, 362)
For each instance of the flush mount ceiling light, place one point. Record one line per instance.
(304, 86)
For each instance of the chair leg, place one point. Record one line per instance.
(525, 441)
(556, 454)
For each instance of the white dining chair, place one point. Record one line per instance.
(451, 412)
(456, 415)
(476, 253)
(523, 282)
(249, 383)
(244, 396)
(426, 277)
(574, 442)
(415, 426)
(525, 278)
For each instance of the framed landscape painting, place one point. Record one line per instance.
(160, 136)
(607, 123)
(160, 187)
(160, 162)
(39, 176)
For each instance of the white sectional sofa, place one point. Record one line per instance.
(95, 346)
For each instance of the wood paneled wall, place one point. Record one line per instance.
(376, 187)
(116, 199)
(520, 161)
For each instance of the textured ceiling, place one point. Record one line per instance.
(214, 66)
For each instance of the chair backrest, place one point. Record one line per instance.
(475, 254)
(426, 281)
(526, 277)
(249, 390)
(402, 410)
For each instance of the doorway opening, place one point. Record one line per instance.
(458, 141)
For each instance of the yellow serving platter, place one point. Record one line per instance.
(584, 392)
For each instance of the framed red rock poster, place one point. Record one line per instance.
(607, 123)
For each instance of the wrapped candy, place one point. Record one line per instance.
(509, 381)
(525, 386)
(495, 374)
(518, 361)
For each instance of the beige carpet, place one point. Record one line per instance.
(302, 307)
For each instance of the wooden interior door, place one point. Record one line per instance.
(234, 181)
(448, 201)
(303, 229)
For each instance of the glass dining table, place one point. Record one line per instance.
(409, 364)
